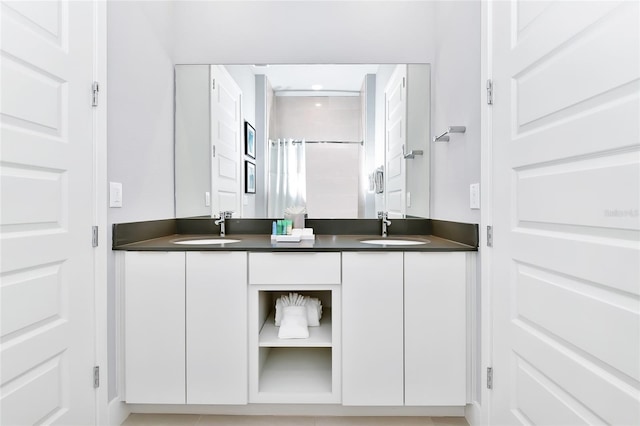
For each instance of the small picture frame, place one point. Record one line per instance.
(249, 140)
(249, 177)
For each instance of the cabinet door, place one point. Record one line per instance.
(372, 329)
(435, 328)
(154, 327)
(217, 328)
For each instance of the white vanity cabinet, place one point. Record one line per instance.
(372, 328)
(199, 328)
(154, 318)
(404, 328)
(185, 327)
(216, 327)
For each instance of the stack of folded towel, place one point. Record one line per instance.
(295, 313)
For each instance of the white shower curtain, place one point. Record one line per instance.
(287, 176)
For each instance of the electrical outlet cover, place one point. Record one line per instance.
(115, 194)
(474, 196)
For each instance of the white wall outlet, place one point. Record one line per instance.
(474, 196)
(207, 199)
(115, 194)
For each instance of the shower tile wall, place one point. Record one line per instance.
(337, 118)
(333, 170)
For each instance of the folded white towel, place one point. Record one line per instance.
(294, 323)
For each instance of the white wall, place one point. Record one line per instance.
(456, 102)
(303, 32)
(139, 124)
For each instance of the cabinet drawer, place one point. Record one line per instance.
(294, 268)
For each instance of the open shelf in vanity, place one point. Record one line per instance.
(304, 370)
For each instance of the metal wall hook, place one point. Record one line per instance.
(411, 154)
(444, 137)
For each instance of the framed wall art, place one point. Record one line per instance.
(249, 140)
(249, 177)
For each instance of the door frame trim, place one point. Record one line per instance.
(479, 411)
(99, 213)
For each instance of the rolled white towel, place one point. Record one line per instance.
(291, 299)
(314, 311)
(279, 307)
(294, 323)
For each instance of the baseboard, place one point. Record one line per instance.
(473, 414)
(118, 412)
(296, 410)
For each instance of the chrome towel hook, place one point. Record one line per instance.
(444, 137)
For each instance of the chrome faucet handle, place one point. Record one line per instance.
(227, 214)
(382, 215)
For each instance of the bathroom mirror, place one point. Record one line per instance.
(322, 135)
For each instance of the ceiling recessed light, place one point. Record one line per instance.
(318, 105)
(317, 87)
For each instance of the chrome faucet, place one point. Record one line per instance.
(223, 216)
(385, 222)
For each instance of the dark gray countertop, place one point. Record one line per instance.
(331, 235)
(322, 243)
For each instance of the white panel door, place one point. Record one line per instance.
(372, 329)
(216, 300)
(226, 132)
(395, 95)
(46, 167)
(566, 169)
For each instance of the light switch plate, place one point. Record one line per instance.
(115, 194)
(474, 196)
(207, 199)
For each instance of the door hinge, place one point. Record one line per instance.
(94, 236)
(489, 92)
(95, 88)
(213, 151)
(489, 236)
(489, 378)
(96, 376)
(213, 84)
(404, 82)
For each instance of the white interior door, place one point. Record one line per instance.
(47, 320)
(226, 132)
(566, 169)
(395, 141)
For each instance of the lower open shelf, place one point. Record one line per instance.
(295, 371)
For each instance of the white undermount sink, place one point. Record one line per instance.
(394, 242)
(205, 241)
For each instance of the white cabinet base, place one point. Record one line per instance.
(216, 345)
(435, 339)
(154, 320)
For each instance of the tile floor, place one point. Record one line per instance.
(209, 420)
